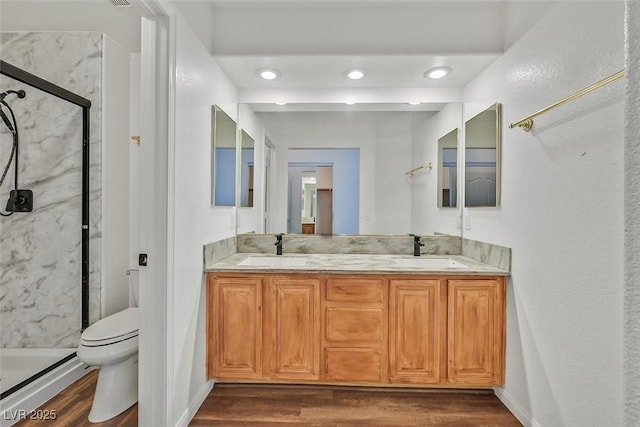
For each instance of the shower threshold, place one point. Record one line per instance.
(19, 366)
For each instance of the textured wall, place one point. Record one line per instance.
(40, 255)
(562, 216)
(200, 83)
(632, 218)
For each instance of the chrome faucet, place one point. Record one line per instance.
(278, 243)
(416, 244)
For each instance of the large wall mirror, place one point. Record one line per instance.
(482, 159)
(223, 158)
(369, 148)
(247, 155)
(448, 170)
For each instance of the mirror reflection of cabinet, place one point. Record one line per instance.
(448, 170)
(482, 159)
(223, 158)
(324, 221)
(247, 145)
(309, 203)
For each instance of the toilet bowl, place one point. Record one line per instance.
(111, 344)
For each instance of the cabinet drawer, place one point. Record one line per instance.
(354, 324)
(353, 364)
(355, 290)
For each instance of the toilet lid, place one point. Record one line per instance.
(116, 325)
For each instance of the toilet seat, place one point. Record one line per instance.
(112, 329)
(108, 354)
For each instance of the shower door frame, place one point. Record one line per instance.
(52, 89)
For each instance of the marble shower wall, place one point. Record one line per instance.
(40, 252)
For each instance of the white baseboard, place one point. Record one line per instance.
(18, 405)
(197, 401)
(523, 416)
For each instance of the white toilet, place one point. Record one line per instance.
(111, 344)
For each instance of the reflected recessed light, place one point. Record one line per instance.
(350, 102)
(281, 103)
(414, 103)
(268, 73)
(437, 72)
(355, 73)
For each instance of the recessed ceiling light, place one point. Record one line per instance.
(281, 103)
(268, 73)
(437, 72)
(414, 103)
(355, 73)
(350, 102)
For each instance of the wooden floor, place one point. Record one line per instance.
(245, 405)
(239, 405)
(71, 408)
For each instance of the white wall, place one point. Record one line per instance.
(562, 216)
(199, 84)
(426, 217)
(632, 219)
(115, 176)
(384, 140)
(134, 160)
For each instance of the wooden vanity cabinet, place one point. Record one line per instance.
(417, 331)
(354, 338)
(292, 328)
(340, 329)
(234, 327)
(476, 332)
(448, 332)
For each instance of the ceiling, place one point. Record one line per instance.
(120, 23)
(313, 42)
(381, 71)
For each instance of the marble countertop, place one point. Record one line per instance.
(354, 263)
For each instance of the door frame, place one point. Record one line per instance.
(157, 230)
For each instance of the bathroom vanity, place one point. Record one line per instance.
(376, 320)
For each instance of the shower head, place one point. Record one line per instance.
(20, 94)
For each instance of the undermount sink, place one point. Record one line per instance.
(274, 261)
(430, 263)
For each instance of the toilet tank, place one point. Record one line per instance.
(133, 287)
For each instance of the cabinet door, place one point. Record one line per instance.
(235, 328)
(476, 332)
(294, 328)
(417, 331)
